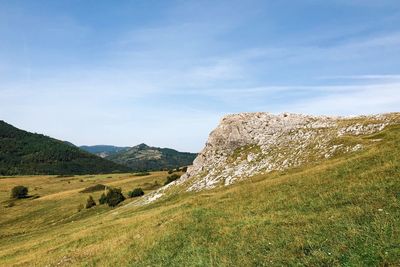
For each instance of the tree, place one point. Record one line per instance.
(171, 178)
(114, 196)
(102, 199)
(19, 191)
(90, 202)
(137, 192)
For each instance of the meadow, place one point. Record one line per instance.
(344, 211)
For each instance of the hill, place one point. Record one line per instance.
(143, 157)
(248, 144)
(23, 152)
(103, 150)
(341, 210)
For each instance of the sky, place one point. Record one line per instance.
(165, 72)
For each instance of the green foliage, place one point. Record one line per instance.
(102, 199)
(93, 188)
(114, 196)
(137, 192)
(19, 191)
(22, 152)
(171, 178)
(90, 202)
(174, 170)
(146, 158)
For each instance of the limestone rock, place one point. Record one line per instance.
(247, 144)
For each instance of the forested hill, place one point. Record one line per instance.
(22, 152)
(146, 158)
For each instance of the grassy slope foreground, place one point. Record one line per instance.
(342, 211)
(22, 152)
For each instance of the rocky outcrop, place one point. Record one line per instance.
(247, 144)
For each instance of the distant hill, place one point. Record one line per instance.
(23, 152)
(103, 150)
(143, 157)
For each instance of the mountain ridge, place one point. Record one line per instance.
(143, 157)
(26, 153)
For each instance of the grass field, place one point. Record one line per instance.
(340, 212)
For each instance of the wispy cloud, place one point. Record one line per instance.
(127, 81)
(386, 77)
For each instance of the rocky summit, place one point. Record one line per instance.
(247, 144)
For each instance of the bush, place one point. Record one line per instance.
(93, 188)
(90, 202)
(184, 169)
(19, 191)
(137, 192)
(114, 196)
(171, 178)
(170, 171)
(102, 199)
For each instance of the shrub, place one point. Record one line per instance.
(19, 191)
(170, 171)
(184, 169)
(93, 188)
(90, 202)
(114, 196)
(102, 199)
(137, 192)
(171, 178)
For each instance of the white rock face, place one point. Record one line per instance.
(248, 144)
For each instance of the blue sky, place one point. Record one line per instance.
(165, 72)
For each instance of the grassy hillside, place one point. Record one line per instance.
(145, 158)
(344, 211)
(22, 152)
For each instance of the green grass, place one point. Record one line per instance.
(339, 212)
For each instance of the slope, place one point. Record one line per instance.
(341, 211)
(22, 152)
(145, 158)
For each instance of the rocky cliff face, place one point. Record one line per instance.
(248, 144)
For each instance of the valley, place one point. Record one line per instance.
(339, 211)
(199, 133)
